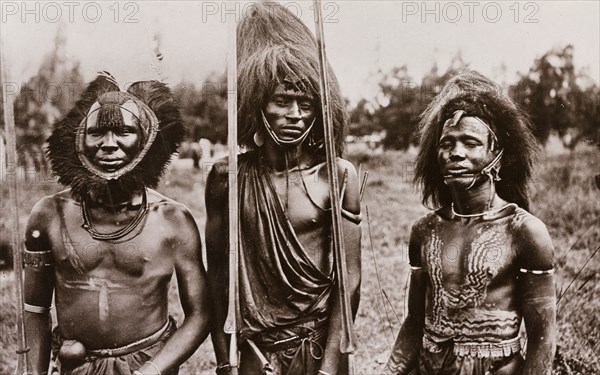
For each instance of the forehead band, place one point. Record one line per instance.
(148, 123)
(460, 114)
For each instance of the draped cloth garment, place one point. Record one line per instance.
(115, 365)
(280, 285)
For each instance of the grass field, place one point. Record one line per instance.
(563, 196)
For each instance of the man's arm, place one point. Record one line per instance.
(405, 353)
(193, 293)
(352, 237)
(38, 285)
(538, 297)
(217, 237)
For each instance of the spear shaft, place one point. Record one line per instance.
(347, 344)
(13, 187)
(231, 326)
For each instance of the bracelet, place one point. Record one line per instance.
(155, 367)
(324, 372)
(222, 368)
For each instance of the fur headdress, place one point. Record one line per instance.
(477, 96)
(162, 132)
(274, 45)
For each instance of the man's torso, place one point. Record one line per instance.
(287, 263)
(111, 293)
(472, 277)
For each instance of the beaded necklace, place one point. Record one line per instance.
(87, 222)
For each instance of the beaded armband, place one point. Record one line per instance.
(37, 259)
(537, 272)
(415, 269)
(36, 309)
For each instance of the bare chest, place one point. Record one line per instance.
(304, 198)
(458, 255)
(75, 250)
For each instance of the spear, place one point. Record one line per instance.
(13, 187)
(348, 339)
(231, 326)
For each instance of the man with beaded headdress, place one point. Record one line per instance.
(108, 246)
(290, 314)
(481, 263)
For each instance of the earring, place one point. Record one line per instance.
(311, 140)
(258, 139)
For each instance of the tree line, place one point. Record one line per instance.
(557, 97)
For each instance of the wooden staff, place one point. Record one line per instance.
(13, 187)
(348, 338)
(231, 323)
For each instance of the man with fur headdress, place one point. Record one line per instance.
(289, 305)
(107, 246)
(481, 263)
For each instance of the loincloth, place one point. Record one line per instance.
(114, 361)
(291, 350)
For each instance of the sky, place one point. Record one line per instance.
(362, 37)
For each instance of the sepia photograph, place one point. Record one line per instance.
(302, 187)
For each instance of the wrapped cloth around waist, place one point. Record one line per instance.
(283, 338)
(505, 348)
(89, 355)
(133, 347)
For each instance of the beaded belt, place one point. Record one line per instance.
(504, 348)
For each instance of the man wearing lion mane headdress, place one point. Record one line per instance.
(290, 313)
(480, 263)
(107, 246)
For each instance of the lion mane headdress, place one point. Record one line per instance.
(276, 46)
(102, 100)
(478, 96)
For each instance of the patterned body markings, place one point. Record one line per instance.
(458, 313)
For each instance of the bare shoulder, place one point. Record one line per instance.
(533, 242)
(352, 194)
(41, 218)
(418, 232)
(174, 212)
(344, 165)
(424, 225)
(48, 207)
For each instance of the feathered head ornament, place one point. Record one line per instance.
(102, 104)
(275, 47)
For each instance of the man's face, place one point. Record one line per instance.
(289, 112)
(463, 151)
(111, 148)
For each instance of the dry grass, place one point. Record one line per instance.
(562, 196)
